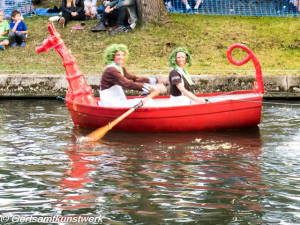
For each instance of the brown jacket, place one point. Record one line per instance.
(112, 76)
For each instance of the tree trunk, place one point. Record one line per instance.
(151, 10)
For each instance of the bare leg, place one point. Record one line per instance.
(198, 3)
(186, 4)
(169, 5)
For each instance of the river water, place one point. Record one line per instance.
(232, 177)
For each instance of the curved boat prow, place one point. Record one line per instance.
(79, 91)
(259, 83)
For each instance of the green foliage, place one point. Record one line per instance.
(275, 41)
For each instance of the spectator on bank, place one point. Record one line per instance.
(4, 31)
(90, 8)
(125, 10)
(19, 30)
(107, 18)
(103, 6)
(173, 5)
(71, 10)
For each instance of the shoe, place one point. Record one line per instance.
(189, 11)
(118, 29)
(62, 22)
(99, 27)
(14, 45)
(196, 10)
(22, 44)
(2, 47)
(54, 19)
(132, 26)
(127, 29)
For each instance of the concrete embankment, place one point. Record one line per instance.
(44, 86)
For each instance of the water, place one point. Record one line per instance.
(230, 177)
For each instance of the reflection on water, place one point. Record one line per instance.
(230, 177)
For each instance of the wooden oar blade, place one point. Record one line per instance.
(95, 135)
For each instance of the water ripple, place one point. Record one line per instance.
(232, 177)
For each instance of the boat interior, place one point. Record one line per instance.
(163, 101)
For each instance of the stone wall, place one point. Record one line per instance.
(42, 86)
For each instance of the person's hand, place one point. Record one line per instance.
(200, 101)
(161, 87)
(107, 9)
(163, 79)
(74, 14)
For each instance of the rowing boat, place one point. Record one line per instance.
(227, 110)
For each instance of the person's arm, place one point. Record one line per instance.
(14, 28)
(189, 94)
(64, 7)
(4, 33)
(80, 8)
(125, 3)
(117, 78)
(113, 3)
(135, 78)
(108, 9)
(6, 28)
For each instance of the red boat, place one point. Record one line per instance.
(228, 110)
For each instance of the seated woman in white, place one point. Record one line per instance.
(115, 77)
(180, 80)
(90, 8)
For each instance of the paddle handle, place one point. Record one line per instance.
(120, 118)
(137, 106)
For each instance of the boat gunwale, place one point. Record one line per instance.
(167, 108)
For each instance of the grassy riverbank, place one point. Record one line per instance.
(275, 41)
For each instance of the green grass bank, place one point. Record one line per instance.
(275, 41)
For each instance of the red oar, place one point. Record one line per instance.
(99, 133)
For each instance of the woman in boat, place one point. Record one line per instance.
(180, 80)
(115, 77)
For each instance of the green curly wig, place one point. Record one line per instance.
(111, 50)
(172, 58)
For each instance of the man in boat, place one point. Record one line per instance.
(115, 77)
(180, 80)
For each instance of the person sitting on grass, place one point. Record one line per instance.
(4, 31)
(71, 10)
(90, 8)
(126, 16)
(19, 30)
(115, 77)
(180, 80)
(107, 18)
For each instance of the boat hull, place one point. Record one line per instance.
(224, 114)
